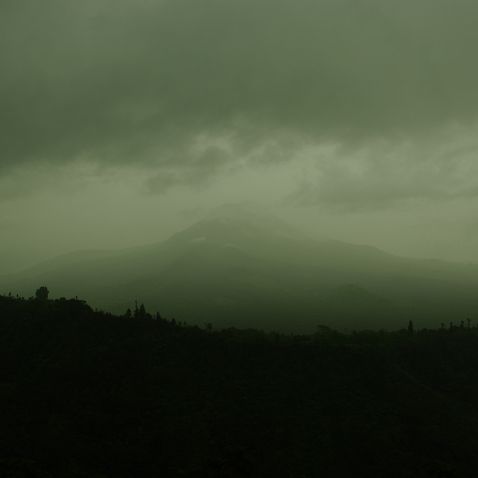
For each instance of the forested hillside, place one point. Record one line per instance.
(88, 394)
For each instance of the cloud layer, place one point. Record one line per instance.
(358, 117)
(139, 81)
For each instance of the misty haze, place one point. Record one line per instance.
(238, 238)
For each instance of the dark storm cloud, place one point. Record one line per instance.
(138, 81)
(197, 169)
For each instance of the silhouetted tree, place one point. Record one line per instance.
(128, 314)
(410, 327)
(42, 293)
(141, 312)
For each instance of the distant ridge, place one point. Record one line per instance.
(237, 267)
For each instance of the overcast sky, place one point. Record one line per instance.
(124, 120)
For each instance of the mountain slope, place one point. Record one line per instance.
(252, 271)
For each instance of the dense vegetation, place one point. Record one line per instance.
(87, 394)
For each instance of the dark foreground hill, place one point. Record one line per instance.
(88, 394)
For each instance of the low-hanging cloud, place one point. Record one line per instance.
(380, 175)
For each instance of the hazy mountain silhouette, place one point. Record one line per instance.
(243, 268)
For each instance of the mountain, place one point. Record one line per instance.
(250, 270)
